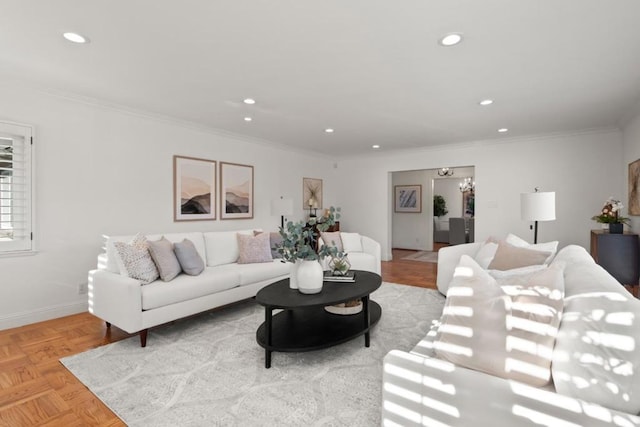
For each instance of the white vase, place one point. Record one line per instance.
(310, 277)
(293, 274)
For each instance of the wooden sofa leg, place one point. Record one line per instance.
(108, 325)
(143, 337)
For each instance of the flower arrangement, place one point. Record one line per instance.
(610, 213)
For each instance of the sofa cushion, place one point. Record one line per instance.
(135, 260)
(185, 287)
(254, 273)
(222, 246)
(505, 327)
(165, 259)
(351, 242)
(332, 239)
(508, 257)
(596, 357)
(190, 261)
(253, 249)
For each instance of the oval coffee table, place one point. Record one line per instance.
(305, 325)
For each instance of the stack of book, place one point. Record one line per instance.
(348, 277)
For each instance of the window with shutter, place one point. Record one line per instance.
(16, 193)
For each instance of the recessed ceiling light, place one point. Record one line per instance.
(375, 147)
(486, 102)
(75, 38)
(328, 130)
(503, 130)
(247, 119)
(451, 39)
(249, 101)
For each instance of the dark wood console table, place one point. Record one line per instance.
(619, 254)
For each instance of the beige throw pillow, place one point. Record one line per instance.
(135, 261)
(254, 249)
(508, 257)
(505, 327)
(332, 239)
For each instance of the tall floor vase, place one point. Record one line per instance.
(310, 277)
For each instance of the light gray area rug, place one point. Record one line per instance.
(208, 370)
(423, 256)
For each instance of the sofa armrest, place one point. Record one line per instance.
(419, 391)
(448, 258)
(116, 299)
(372, 247)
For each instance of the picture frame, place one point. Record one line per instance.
(468, 204)
(194, 189)
(634, 188)
(236, 191)
(408, 198)
(311, 190)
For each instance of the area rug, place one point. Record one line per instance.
(208, 370)
(423, 256)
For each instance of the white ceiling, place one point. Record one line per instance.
(370, 69)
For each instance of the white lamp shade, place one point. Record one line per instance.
(538, 206)
(282, 206)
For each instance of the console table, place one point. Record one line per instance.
(619, 254)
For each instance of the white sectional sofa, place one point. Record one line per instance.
(594, 363)
(132, 307)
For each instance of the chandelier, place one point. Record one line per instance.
(445, 172)
(467, 185)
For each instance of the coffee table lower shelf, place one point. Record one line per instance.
(308, 329)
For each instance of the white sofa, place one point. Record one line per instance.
(125, 303)
(594, 364)
(363, 252)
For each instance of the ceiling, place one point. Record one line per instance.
(370, 69)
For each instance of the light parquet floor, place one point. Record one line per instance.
(36, 390)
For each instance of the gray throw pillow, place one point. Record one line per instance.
(187, 254)
(275, 239)
(165, 259)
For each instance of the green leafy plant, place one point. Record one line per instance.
(298, 239)
(439, 205)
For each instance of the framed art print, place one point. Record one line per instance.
(194, 189)
(634, 188)
(236, 191)
(311, 193)
(408, 198)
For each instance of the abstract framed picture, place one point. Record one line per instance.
(236, 191)
(408, 198)
(194, 189)
(634, 188)
(311, 193)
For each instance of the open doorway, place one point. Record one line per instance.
(454, 208)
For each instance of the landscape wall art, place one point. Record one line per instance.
(194, 189)
(236, 191)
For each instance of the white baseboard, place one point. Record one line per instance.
(15, 320)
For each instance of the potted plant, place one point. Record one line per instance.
(439, 206)
(610, 214)
(298, 247)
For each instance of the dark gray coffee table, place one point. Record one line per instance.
(304, 325)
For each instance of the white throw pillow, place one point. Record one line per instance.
(135, 260)
(486, 253)
(351, 242)
(516, 241)
(505, 327)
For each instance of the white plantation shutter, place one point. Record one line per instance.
(15, 188)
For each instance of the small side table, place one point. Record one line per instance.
(619, 254)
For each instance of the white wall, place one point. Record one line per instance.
(583, 169)
(631, 153)
(105, 171)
